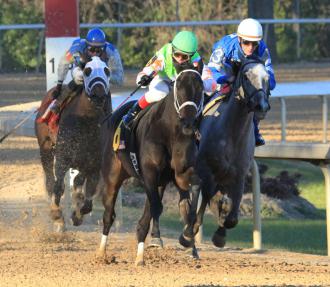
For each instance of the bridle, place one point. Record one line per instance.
(240, 80)
(179, 106)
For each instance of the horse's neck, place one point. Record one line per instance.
(164, 118)
(81, 106)
(236, 119)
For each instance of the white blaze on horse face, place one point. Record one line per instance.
(97, 76)
(258, 76)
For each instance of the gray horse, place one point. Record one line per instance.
(227, 146)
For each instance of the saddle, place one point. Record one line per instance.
(52, 120)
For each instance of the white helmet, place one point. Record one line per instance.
(250, 29)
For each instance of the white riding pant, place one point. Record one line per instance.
(77, 75)
(158, 89)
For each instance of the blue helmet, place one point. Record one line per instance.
(95, 38)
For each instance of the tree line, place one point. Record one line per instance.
(23, 50)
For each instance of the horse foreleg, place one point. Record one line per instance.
(187, 213)
(47, 161)
(228, 208)
(84, 201)
(78, 198)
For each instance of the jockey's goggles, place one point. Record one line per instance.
(97, 50)
(182, 56)
(248, 43)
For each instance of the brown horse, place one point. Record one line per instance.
(166, 150)
(77, 144)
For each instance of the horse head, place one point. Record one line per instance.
(97, 81)
(252, 86)
(188, 98)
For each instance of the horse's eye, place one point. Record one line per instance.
(87, 71)
(107, 71)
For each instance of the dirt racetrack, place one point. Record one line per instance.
(32, 255)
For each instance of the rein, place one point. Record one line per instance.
(179, 106)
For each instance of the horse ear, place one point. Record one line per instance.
(107, 71)
(87, 71)
(200, 66)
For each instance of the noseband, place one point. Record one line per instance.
(178, 106)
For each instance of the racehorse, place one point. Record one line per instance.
(77, 144)
(226, 149)
(227, 145)
(166, 150)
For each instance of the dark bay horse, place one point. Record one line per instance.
(77, 144)
(227, 146)
(226, 149)
(166, 150)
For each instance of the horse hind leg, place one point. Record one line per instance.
(156, 240)
(113, 180)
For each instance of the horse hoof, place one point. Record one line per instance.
(192, 252)
(156, 242)
(219, 238)
(87, 208)
(186, 242)
(59, 227)
(76, 221)
(139, 263)
(56, 214)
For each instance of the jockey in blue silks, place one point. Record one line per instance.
(81, 52)
(228, 52)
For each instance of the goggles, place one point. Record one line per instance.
(182, 56)
(97, 50)
(248, 43)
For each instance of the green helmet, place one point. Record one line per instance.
(186, 42)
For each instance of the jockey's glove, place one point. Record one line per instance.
(145, 80)
(57, 91)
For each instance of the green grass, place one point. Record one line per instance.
(311, 183)
(305, 236)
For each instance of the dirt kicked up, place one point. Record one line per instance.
(32, 255)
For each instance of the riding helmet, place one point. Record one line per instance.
(185, 42)
(250, 29)
(95, 38)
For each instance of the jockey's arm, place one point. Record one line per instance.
(210, 84)
(64, 66)
(222, 72)
(155, 64)
(116, 68)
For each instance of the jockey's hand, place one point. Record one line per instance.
(145, 80)
(57, 91)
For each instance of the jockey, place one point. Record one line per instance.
(228, 52)
(160, 71)
(81, 52)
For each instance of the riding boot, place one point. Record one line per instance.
(55, 106)
(131, 114)
(258, 137)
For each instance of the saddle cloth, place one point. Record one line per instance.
(213, 104)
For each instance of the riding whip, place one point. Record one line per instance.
(131, 94)
(17, 126)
